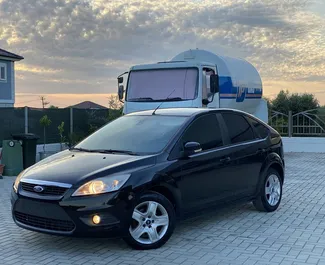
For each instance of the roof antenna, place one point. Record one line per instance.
(154, 112)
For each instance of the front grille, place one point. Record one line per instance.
(45, 223)
(48, 190)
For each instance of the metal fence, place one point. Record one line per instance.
(78, 123)
(309, 123)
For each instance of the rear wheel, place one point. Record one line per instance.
(270, 194)
(153, 222)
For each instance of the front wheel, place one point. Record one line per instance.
(270, 194)
(152, 223)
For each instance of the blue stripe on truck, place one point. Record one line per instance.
(228, 91)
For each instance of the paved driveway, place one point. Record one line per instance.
(236, 235)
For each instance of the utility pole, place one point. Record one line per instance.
(44, 102)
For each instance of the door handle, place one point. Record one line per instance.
(225, 159)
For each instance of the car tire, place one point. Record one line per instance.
(269, 199)
(152, 222)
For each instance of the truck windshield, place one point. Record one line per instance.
(133, 134)
(157, 85)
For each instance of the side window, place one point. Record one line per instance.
(239, 129)
(204, 130)
(3, 72)
(262, 131)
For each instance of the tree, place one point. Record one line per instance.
(53, 107)
(115, 107)
(61, 131)
(284, 102)
(114, 103)
(45, 122)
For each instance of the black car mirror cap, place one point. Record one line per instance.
(191, 148)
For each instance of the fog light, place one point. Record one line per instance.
(96, 219)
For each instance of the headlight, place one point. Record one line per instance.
(102, 185)
(17, 181)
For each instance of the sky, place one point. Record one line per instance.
(74, 49)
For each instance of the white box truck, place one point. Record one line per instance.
(194, 79)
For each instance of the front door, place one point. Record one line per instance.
(202, 175)
(206, 94)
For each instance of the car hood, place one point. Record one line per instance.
(74, 166)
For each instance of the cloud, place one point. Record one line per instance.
(77, 46)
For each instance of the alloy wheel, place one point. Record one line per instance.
(150, 222)
(273, 189)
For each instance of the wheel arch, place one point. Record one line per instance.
(171, 193)
(273, 161)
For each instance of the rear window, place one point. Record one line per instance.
(261, 130)
(239, 129)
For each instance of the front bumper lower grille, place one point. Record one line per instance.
(45, 223)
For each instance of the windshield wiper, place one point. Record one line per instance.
(141, 99)
(81, 149)
(103, 151)
(171, 99)
(111, 151)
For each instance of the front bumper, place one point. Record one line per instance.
(73, 216)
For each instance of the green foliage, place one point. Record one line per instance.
(284, 102)
(45, 122)
(114, 114)
(61, 131)
(75, 138)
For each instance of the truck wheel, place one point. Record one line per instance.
(270, 194)
(152, 222)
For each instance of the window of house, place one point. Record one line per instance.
(206, 131)
(3, 72)
(239, 129)
(262, 130)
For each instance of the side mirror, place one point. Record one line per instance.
(205, 101)
(120, 92)
(214, 84)
(191, 148)
(120, 80)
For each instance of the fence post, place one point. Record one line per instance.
(71, 120)
(290, 123)
(26, 119)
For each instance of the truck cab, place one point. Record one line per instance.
(194, 78)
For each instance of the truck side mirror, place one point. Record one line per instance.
(214, 84)
(120, 92)
(120, 80)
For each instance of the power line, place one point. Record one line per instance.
(27, 101)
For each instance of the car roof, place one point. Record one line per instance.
(187, 112)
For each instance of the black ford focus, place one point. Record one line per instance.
(137, 175)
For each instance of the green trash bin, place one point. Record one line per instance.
(12, 157)
(29, 145)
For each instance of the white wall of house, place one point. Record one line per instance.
(304, 144)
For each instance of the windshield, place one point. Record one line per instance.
(134, 134)
(157, 85)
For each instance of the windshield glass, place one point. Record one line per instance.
(157, 85)
(136, 134)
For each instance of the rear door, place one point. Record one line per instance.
(248, 152)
